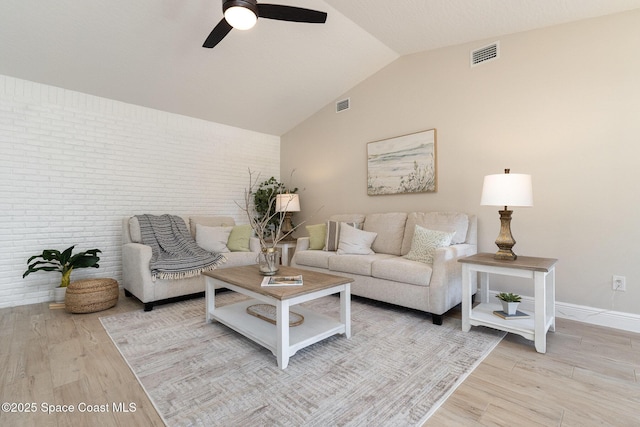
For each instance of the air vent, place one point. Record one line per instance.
(343, 105)
(485, 54)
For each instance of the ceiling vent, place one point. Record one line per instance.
(485, 54)
(343, 105)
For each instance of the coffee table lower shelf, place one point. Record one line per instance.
(315, 327)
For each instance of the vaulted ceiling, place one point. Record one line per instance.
(267, 79)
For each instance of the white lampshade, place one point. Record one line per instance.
(287, 203)
(240, 18)
(507, 189)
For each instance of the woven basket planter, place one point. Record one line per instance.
(91, 295)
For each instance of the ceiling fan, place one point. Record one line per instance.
(243, 14)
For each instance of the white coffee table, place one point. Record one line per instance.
(283, 341)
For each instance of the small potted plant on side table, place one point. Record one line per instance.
(63, 262)
(509, 302)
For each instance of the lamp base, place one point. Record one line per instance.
(505, 240)
(505, 254)
(287, 225)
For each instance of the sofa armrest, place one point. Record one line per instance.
(136, 275)
(445, 288)
(302, 244)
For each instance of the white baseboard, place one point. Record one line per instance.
(594, 316)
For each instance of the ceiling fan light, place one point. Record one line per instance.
(240, 18)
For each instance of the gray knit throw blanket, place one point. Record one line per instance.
(175, 254)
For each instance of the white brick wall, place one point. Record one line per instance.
(72, 165)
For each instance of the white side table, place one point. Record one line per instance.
(540, 270)
(285, 246)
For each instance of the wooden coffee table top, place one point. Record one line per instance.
(249, 277)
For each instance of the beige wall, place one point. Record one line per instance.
(562, 104)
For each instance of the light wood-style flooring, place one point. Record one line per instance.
(590, 376)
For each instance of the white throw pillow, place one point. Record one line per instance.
(213, 239)
(354, 241)
(425, 242)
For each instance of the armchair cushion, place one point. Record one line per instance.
(213, 239)
(239, 239)
(210, 221)
(134, 230)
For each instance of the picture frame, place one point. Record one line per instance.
(403, 164)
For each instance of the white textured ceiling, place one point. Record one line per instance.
(268, 79)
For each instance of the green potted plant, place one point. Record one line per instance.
(509, 302)
(63, 262)
(264, 202)
(266, 222)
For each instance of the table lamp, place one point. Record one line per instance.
(508, 189)
(287, 203)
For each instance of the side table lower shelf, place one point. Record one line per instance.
(542, 273)
(482, 315)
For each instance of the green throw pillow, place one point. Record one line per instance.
(239, 238)
(317, 235)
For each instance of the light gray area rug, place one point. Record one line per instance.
(396, 369)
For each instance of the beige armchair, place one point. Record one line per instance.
(136, 275)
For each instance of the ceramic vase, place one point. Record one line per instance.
(59, 294)
(510, 307)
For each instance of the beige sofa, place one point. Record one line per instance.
(136, 275)
(386, 274)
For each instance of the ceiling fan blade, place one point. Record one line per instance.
(218, 33)
(290, 13)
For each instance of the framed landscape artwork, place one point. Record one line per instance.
(404, 164)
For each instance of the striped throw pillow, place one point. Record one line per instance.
(333, 234)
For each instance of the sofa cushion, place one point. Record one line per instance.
(333, 234)
(239, 238)
(425, 242)
(402, 270)
(390, 230)
(357, 218)
(354, 264)
(310, 258)
(213, 239)
(317, 236)
(442, 221)
(354, 241)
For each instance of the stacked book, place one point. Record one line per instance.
(519, 315)
(282, 281)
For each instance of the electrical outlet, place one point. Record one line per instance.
(619, 283)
